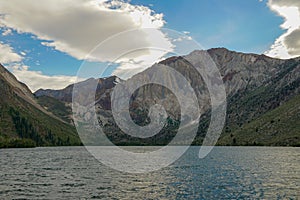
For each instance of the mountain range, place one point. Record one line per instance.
(263, 106)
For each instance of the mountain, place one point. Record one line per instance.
(65, 94)
(59, 102)
(256, 86)
(24, 123)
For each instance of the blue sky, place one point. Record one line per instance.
(247, 26)
(50, 54)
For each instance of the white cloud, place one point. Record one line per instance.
(182, 38)
(36, 79)
(77, 26)
(7, 54)
(287, 45)
(33, 79)
(130, 67)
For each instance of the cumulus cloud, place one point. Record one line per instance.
(33, 79)
(36, 79)
(287, 45)
(7, 54)
(130, 67)
(293, 42)
(77, 26)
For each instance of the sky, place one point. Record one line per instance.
(44, 43)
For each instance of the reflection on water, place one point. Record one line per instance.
(226, 173)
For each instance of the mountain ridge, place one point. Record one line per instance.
(255, 84)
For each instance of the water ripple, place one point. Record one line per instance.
(227, 173)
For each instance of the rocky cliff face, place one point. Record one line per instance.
(255, 84)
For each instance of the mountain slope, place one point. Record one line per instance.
(56, 107)
(23, 122)
(280, 126)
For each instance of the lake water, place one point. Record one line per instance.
(226, 173)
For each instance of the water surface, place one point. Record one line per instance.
(226, 173)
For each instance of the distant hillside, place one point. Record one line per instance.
(24, 123)
(278, 127)
(56, 107)
(255, 86)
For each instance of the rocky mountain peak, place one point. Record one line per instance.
(65, 94)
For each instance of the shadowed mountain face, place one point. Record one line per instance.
(255, 85)
(24, 123)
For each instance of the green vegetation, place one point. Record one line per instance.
(45, 134)
(56, 107)
(28, 129)
(16, 143)
(115, 135)
(278, 127)
(24, 124)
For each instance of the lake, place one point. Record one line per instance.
(226, 173)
